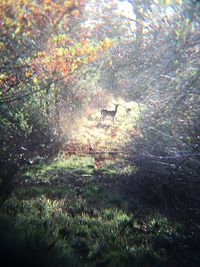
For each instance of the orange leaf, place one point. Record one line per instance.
(83, 41)
(75, 12)
(27, 74)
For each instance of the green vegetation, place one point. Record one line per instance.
(99, 133)
(91, 238)
(57, 217)
(59, 168)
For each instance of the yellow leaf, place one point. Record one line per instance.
(73, 67)
(17, 30)
(35, 80)
(59, 52)
(106, 43)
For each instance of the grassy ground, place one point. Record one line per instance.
(104, 134)
(71, 211)
(66, 213)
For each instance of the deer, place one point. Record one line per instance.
(109, 113)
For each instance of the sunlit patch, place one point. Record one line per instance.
(104, 138)
(170, 11)
(104, 133)
(126, 9)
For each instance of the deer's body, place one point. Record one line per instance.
(109, 113)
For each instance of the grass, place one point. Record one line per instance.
(64, 214)
(117, 167)
(73, 180)
(88, 239)
(68, 171)
(60, 168)
(104, 135)
(67, 212)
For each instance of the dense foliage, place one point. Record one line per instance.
(78, 189)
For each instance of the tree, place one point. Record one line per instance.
(42, 45)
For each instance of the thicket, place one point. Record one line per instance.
(53, 68)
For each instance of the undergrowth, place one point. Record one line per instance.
(66, 213)
(44, 228)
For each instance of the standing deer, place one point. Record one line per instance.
(109, 113)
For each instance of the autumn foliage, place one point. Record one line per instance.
(48, 46)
